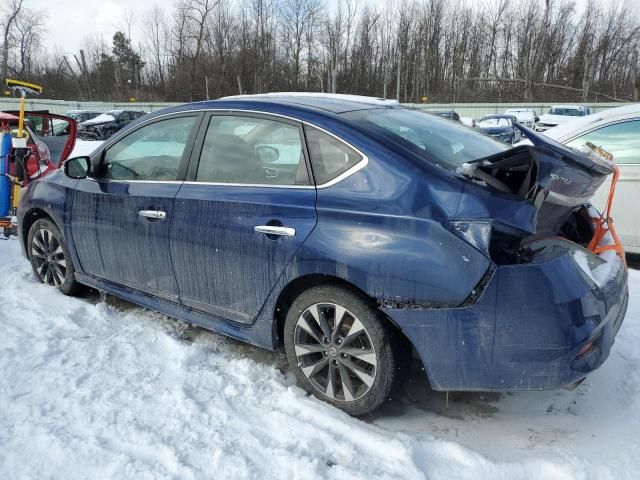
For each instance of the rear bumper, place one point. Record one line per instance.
(524, 332)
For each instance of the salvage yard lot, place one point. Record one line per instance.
(110, 390)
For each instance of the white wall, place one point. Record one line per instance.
(477, 110)
(473, 110)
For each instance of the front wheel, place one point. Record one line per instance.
(49, 257)
(342, 350)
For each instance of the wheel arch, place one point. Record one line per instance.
(29, 218)
(303, 283)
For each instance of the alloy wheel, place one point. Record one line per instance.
(335, 352)
(48, 257)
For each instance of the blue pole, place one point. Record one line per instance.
(5, 184)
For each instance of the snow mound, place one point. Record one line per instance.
(110, 390)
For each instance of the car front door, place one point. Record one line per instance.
(246, 207)
(121, 215)
(57, 132)
(622, 139)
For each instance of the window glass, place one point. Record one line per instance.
(622, 140)
(152, 152)
(448, 144)
(250, 150)
(568, 111)
(329, 156)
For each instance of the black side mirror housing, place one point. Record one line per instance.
(77, 167)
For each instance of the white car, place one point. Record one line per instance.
(558, 114)
(525, 116)
(616, 130)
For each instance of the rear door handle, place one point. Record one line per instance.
(273, 230)
(157, 214)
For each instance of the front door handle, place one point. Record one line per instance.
(155, 214)
(273, 230)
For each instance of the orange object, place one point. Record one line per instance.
(604, 223)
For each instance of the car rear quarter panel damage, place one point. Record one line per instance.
(523, 333)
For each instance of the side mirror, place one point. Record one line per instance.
(77, 167)
(267, 153)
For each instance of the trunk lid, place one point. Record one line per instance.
(557, 180)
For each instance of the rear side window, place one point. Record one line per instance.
(330, 157)
(622, 140)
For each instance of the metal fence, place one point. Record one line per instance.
(61, 106)
(472, 110)
(477, 110)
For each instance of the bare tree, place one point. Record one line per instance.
(297, 17)
(156, 34)
(8, 23)
(409, 49)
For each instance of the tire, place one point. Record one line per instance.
(355, 366)
(49, 257)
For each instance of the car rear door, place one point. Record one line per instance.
(622, 139)
(121, 215)
(245, 209)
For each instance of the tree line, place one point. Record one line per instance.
(412, 50)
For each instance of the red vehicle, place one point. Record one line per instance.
(50, 138)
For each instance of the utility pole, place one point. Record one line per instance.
(239, 85)
(206, 85)
(398, 80)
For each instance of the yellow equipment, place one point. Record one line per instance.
(20, 149)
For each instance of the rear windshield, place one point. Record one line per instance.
(569, 112)
(437, 140)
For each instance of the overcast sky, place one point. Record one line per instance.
(71, 22)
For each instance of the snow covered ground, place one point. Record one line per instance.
(110, 390)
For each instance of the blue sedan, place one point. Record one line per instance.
(350, 231)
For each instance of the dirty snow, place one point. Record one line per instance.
(109, 390)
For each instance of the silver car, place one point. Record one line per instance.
(617, 130)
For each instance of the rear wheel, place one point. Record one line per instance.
(342, 350)
(50, 258)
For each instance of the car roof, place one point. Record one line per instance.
(330, 102)
(497, 115)
(574, 107)
(580, 124)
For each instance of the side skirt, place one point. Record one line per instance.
(258, 334)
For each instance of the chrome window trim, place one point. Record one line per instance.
(357, 167)
(266, 185)
(111, 180)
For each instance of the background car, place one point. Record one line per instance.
(525, 116)
(616, 130)
(346, 231)
(500, 127)
(558, 114)
(451, 115)
(106, 124)
(81, 115)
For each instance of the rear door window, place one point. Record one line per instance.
(252, 151)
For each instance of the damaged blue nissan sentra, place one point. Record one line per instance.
(351, 232)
